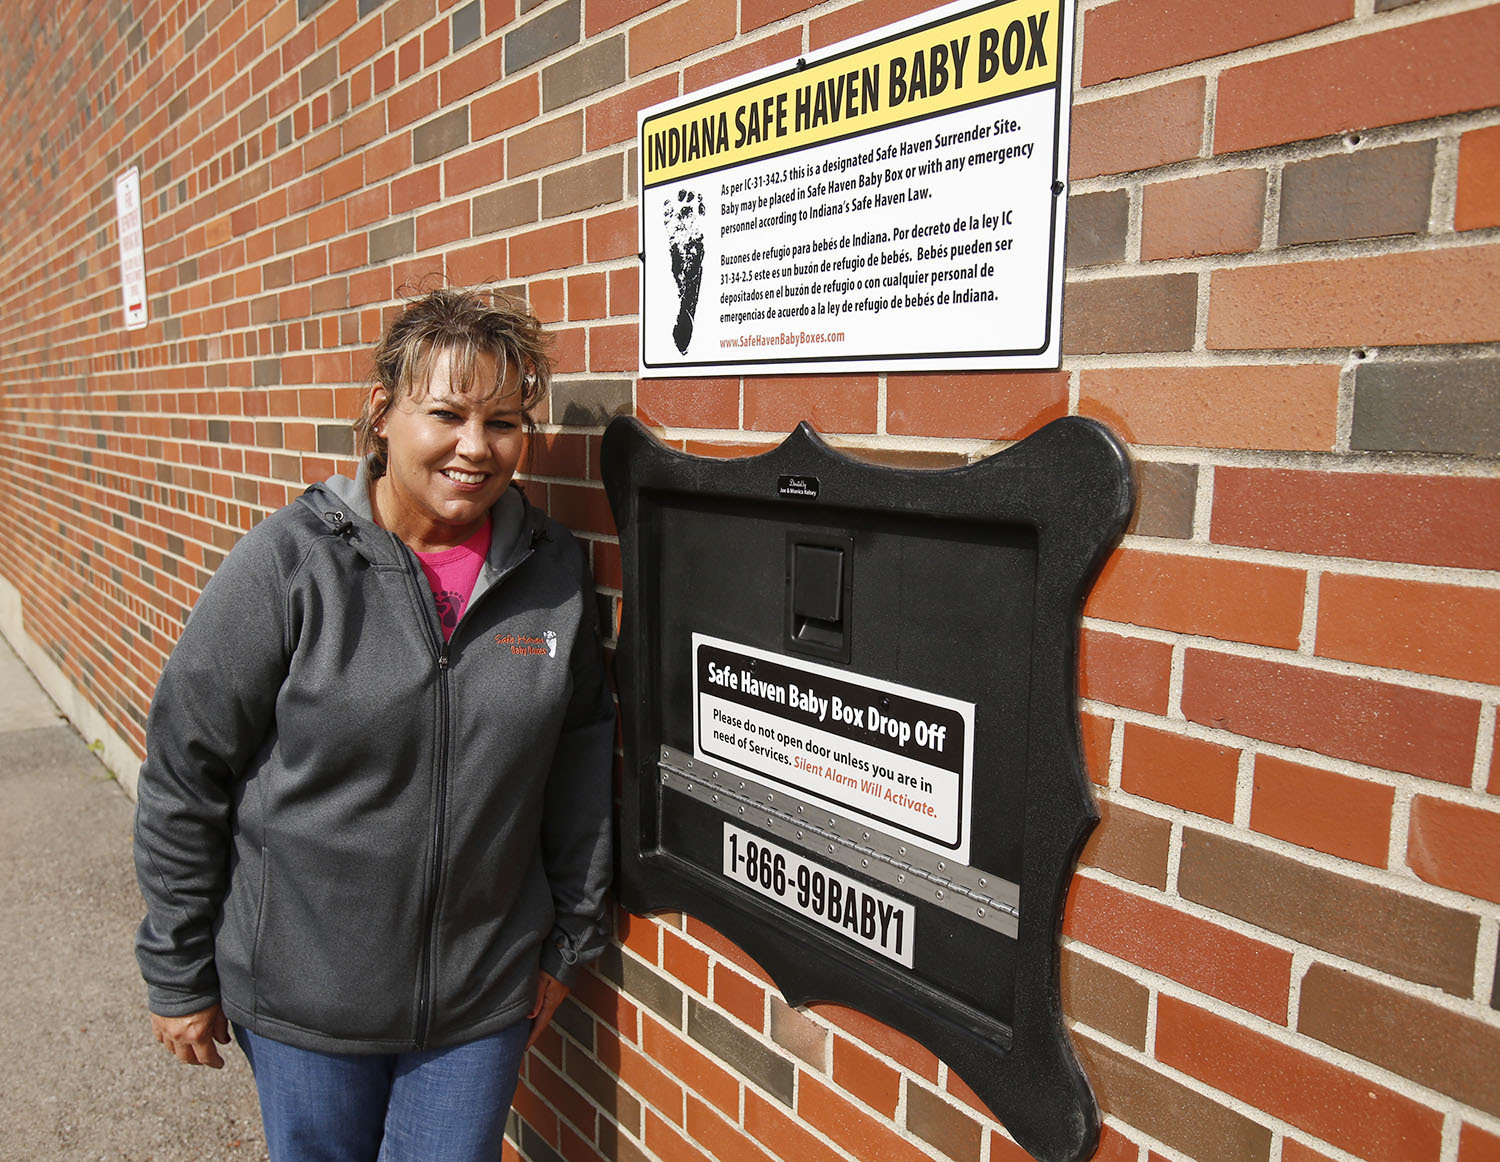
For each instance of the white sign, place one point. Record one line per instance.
(880, 922)
(893, 203)
(132, 248)
(900, 760)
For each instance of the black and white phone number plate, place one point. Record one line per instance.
(879, 922)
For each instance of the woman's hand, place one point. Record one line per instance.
(550, 992)
(191, 1038)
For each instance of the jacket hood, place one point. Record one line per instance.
(343, 504)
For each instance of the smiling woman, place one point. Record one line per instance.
(451, 450)
(375, 834)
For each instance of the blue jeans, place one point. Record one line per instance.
(439, 1105)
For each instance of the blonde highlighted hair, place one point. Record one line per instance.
(467, 323)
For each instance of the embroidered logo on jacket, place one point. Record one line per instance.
(525, 643)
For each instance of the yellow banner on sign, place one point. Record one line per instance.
(981, 55)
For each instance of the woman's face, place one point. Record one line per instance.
(451, 453)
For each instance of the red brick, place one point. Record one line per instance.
(1455, 846)
(588, 296)
(828, 1111)
(1416, 297)
(474, 168)
(1294, 1151)
(740, 997)
(613, 348)
(1410, 625)
(1342, 816)
(668, 1144)
(1425, 520)
(548, 298)
(860, 18)
(1246, 973)
(405, 16)
(612, 119)
(1343, 1108)
(1260, 406)
(547, 248)
(613, 235)
(697, 403)
(721, 1138)
(560, 454)
(1230, 600)
(758, 13)
(624, 292)
(685, 962)
(1398, 728)
(639, 1074)
(529, 1105)
(515, 104)
(829, 403)
(601, 14)
(581, 509)
(1221, 213)
(681, 31)
(1362, 82)
(414, 190)
(722, 946)
(532, 149)
(1478, 202)
(1138, 130)
(690, 1068)
(1131, 37)
(865, 1077)
(1114, 1147)
(411, 103)
(882, 1038)
(1475, 1145)
(974, 405)
(1185, 772)
(446, 224)
(476, 265)
(1098, 732)
(770, 1125)
(477, 68)
(1125, 671)
(561, 1094)
(743, 59)
(641, 935)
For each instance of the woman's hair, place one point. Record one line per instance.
(468, 324)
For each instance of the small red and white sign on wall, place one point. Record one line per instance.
(132, 248)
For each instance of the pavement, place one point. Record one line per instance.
(81, 1077)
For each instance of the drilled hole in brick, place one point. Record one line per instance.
(1360, 353)
(1353, 139)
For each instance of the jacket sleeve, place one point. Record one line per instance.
(213, 709)
(578, 815)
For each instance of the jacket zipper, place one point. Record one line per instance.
(435, 868)
(435, 865)
(440, 801)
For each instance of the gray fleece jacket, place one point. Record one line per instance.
(355, 836)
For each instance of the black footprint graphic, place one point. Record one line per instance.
(684, 220)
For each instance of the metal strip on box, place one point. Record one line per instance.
(980, 897)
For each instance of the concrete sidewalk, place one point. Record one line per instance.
(81, 1078)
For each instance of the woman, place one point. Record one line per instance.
(373, 821)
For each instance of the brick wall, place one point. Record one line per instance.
(1284, 291)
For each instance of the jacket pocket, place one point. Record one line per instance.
(339, 942)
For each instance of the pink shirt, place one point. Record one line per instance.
(452, 572)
